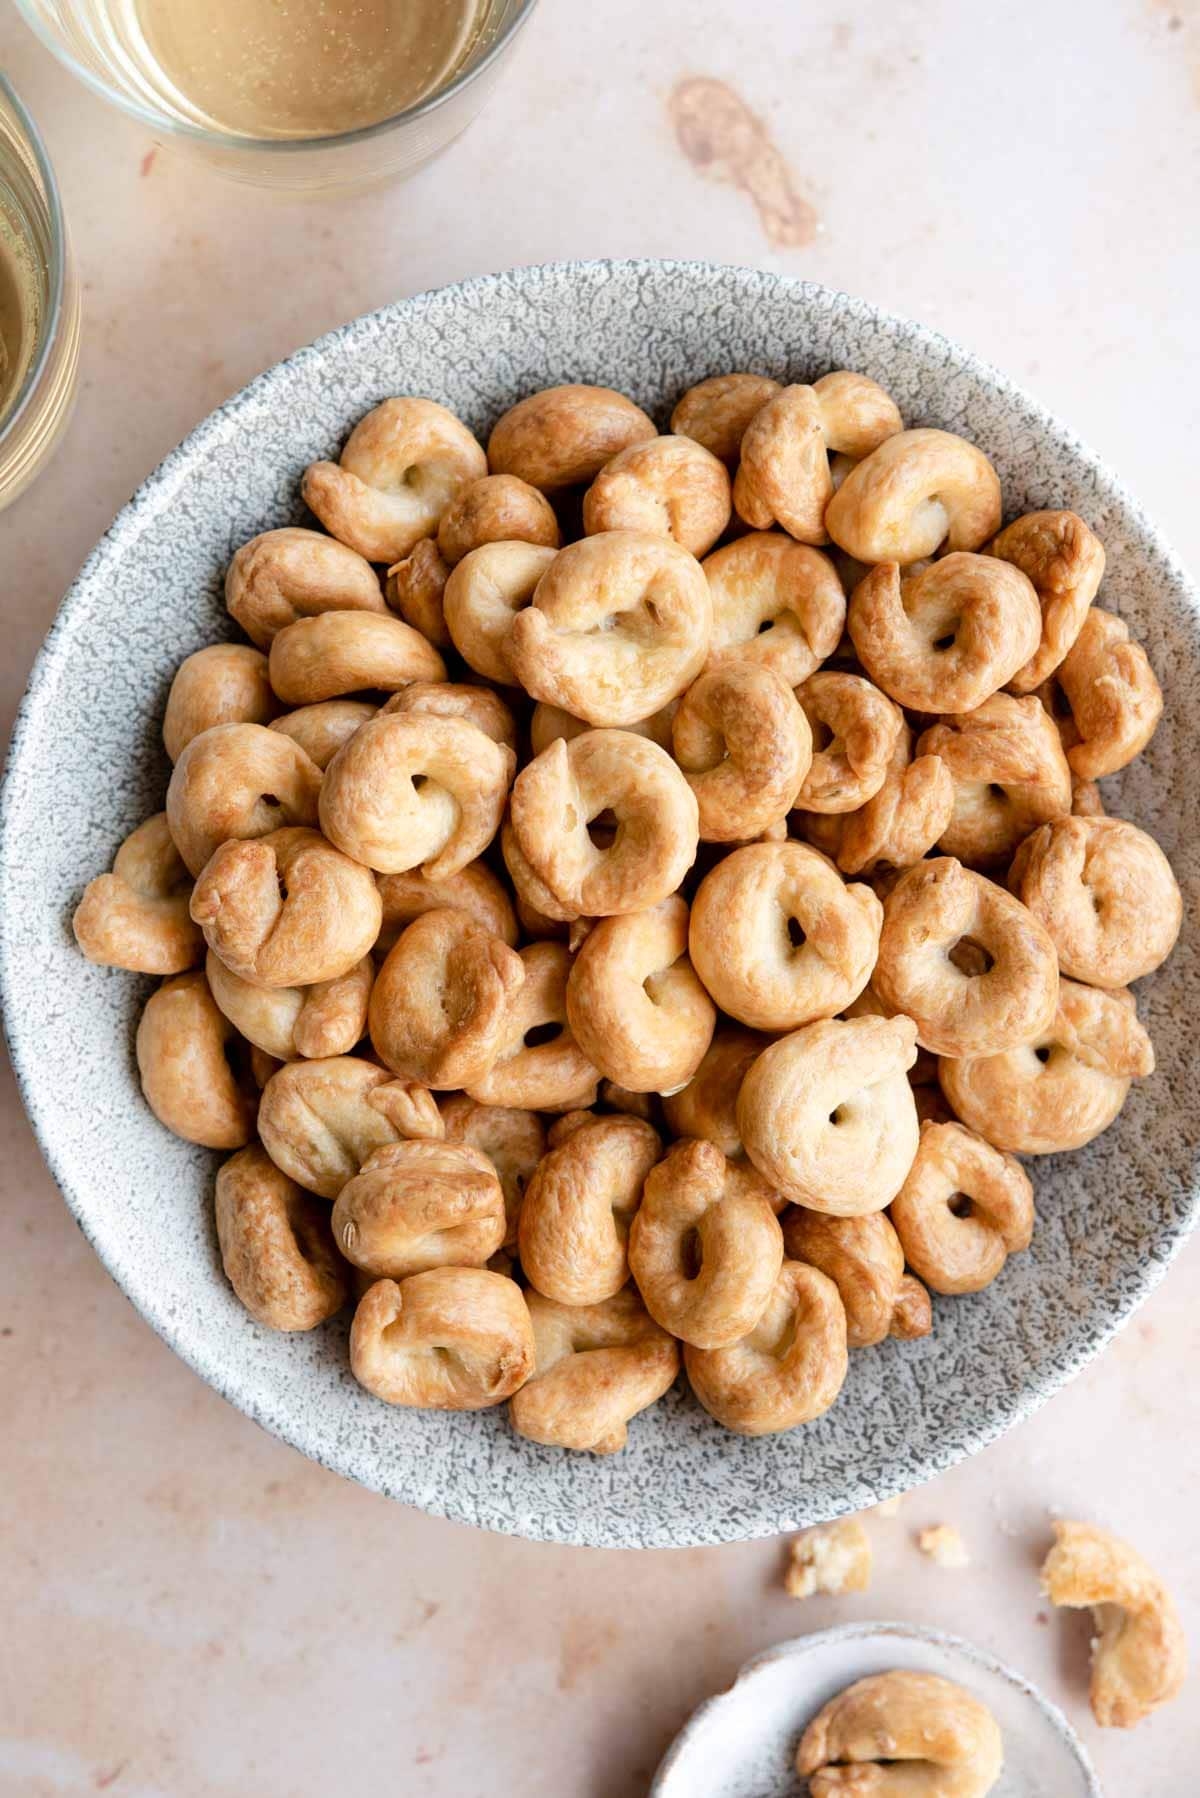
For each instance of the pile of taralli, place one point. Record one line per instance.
(602, 939)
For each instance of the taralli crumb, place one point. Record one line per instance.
(500, 508)
(917, 491)
(911, 1733)
(574, 1229)
(563, 436)
(745, 747)
(964, 1208)
(864, 1259)
(597, 1367)
(716, 412)
(186, 1078)
(288, 574)
(775, 602)
(855, 729)
(1065, 562)
(1115, 699)
(669, 485)
(276, 1245)
(831, 1559)
(138, 917)
(227, 683)
(416, 1205)
(1139, 1652)
(449, 1339)
(784, 475)
(788, 1369)
(440, 1004)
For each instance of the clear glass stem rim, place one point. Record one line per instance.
(56, 269)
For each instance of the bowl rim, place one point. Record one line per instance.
(154, 495)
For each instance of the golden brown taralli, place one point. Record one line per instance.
(238, 780)
(276, 1245)
(320, 1120)
(574, 1228)
(597, 1367)
(963, 1210)
(226, 683)
(500, 508)
(416, 1205)
(283, 575)
(864, 1259)
(563, 436)
(671, 486)
(716, 412)
(784, 475)
(775, 602)
(1065, 562)
(440, 1004)
(788, 1369)
(139, 917)
(745, 747)
(291, 1022)
(186, 1078)
(450, 1339)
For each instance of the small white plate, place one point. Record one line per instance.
(742, 1743)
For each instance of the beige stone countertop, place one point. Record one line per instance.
(192, 1610)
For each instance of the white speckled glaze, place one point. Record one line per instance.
(87, 765)
(742, 1743)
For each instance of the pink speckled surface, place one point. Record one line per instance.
(202, 1612)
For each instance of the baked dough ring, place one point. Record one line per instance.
(788, 1369)
(864, 1259)
(705, 1247)
(440, 1002)
(563, 436)
(283, 575)
(186, 1078)
(574, 1227)
(138, 916)
(926, 917)
(558, 794)
(415, 586)
(746, 916)
(452, 699)
(948, 638)
(1115, 699)
(321, 729)
(1065, 562)
(670, 486)
(1063, 1088)
(500, 508)
(238, 780)
(744, 746)
(226, 683)
(827, 1114)
(416, 1205)
(287, 909)
(1009, 773)
(276, 1248)
(349, 652)
(767, 580)
(854, 730)
(373, 809)
(549, 1075)
(320, 1120)
(620, 623)
(635, 1006)
(474, 890)
(952, 1248)
(784, 475)
(293, 1022)
(513, 1141)
(1105, 892)
(597, 1367)
(707, 1105)
(716, 412)
(918, 490)
(402, 466)
(914, 1735)
(484, 594)
(450, 1339)
(900, 823)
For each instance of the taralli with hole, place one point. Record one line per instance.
(287, 909)
(1065, 562)
(864, 1259)
(500, 508)
(597, 1367)
(671, 486)
(450, 699)
(855, 730)
(827, 1115)
(415, 587)
(409, 789)
(288, 574)
(276, 1246)
(775, 602)
(293, 1022)
(745, 747)
(707, 1105)
(1065, 1086)
(552, 1073)
(899, 824)
(416, 1205)
(1106, 895)
(1009, 773)
(440, 1003)
(349, 652)
(139, 917)
(963, 1210)
(474, 890)
(784, 475)
(1115, 699)
(320, 1120)
(965, 960)
(484, 594)
(187, 1080)
(227, 683)
(1139, 1651)
(705, 1247)
(563, 436)
(558, 794)
(403, 465)
(238, 780)
(917, 491)
(578, 1207)
(449, 1339)
(788, 1369)
(948, 638)
(321, 729)
(634, 1003)
(778, 938)
(716, 412)
(911, 1733)
(514, 1142)
(619, 625)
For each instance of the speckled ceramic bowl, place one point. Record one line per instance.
(87, 765)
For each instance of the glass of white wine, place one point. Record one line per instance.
(39, 303)
(303, 95)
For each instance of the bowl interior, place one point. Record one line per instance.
(87, 765)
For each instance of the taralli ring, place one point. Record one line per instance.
(409, 789)
(745, 747)
(551, 1073)
(513, 1141)
(597, 1367)
(321, 729)
(784, 475)
(450, 699)
(440, 1003)
(484, 594)
(186, 1079)
(288, 574)
(634, 1003)
(668, 485)
(705, 1247)
(449, 1339)
(854, 729)
(918, 490)
(415, 587)
(138, 916)
(349, 652)
(778, 938)
(963, 1210)
(275, 1245)
(290, 1022)
(716, 412)
(948, 638)
(788, 1369)
(910, 1733)
(966, 961)
(578, 1207)
(900, 823)
(620, 624)
(474, 890)
(497, 509)
(402, 466)
(227, 683)
(1065, 562)
(707, 1105)
(1009, 773)
(864, 1259)
(563, 436)
(775, 602)
(1105, 893)
(238, 780)
(416, 1205)
(320, 1120)
(1115, 699)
